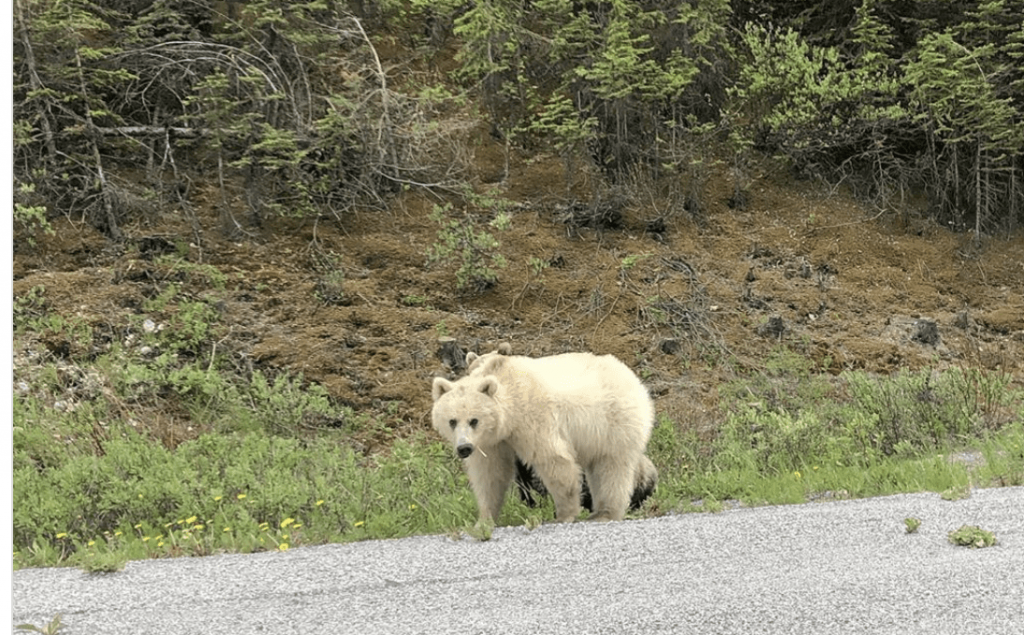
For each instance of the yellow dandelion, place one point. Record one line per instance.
(166, 525)
(283, 546)
(296, 525)
(198, 527)
(796, 474)
(160, 544)
(320, 502)
(92, 543)
(62, 535)
(140, 495)
(217, 498)
(412, 506)
(286, 522)
(240, 496)
(358, 523)
(226, 529)
(190, 519)
(138, 526)
(145, 539)
(117, 533)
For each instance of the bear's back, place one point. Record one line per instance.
(569, 375)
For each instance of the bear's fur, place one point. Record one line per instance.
(527, 482)
(474, 361)
(561, 415)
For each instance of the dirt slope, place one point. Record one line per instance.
(702, 302)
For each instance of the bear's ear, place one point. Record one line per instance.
(493, 363)
(470, 358)
(441, 386)
(504, 348)
(489, 386)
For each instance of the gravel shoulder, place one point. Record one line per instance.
(842, 566)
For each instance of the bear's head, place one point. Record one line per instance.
(467, 414)
(475, 362)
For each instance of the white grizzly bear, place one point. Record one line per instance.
(561, 415)
(527, 483)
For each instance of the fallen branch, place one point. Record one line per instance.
(152, 131)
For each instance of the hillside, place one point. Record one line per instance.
(687, 306)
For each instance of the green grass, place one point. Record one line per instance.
(103, 473)
(229, 492)
(254, 491)
(790, 435)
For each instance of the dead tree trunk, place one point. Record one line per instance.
(113, 231)
(35, 83)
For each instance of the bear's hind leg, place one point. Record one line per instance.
(490, 477)
(611, 482)
(561, 477)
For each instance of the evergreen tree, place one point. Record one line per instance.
(61, 94)
(254, 96)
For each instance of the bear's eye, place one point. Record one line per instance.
(472, 423)
(452, 423)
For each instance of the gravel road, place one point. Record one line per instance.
(833, 567)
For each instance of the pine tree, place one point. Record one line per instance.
(62, 91)
(973, 122)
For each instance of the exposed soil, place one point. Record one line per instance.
(794, 267)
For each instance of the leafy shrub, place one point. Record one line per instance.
(787, 383)
(773, 442)
(925, 410)
(972, 536)
(475, 251)
(784, 418)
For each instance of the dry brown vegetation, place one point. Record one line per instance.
(687, 304)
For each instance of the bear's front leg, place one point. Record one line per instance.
(490, 473)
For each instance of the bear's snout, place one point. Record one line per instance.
(464, 450)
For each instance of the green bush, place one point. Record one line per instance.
(926, 410)
(972, 536)
(786, 418)
(474, 250)
(773, 442)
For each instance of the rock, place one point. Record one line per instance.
(451, 353)
(926, 332)
(670, 347)
(774, 327)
